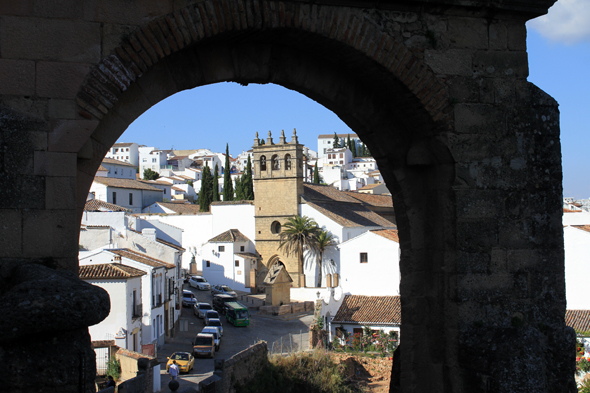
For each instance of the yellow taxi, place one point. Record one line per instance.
(184, 360)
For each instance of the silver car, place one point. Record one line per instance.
(201, 308)
(216, 335)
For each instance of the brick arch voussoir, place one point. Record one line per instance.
(168, 34)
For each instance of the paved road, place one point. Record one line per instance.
(235, 339)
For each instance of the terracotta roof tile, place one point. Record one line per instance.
(123, 144)
(117, 162)
(370, 186)
(229, 236)
(318, 193)
(95, 205)
(109, 270)
(578, 319)
(371, 199)
(142, 258)
(369, 310)
(125, 183)
(390, 234)
(182, 208)
(247, 255)
(582, 227)
(571, 211)
(102, 168)
(351, 214)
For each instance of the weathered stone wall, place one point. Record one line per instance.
(242, 367)
(436, 89)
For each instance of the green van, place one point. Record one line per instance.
(237, 314)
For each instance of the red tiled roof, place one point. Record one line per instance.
(372, 199)
(571, 211)
(109, 270)
(582, 227)
(102, 168)
(578, 319)
(351, 214)
(229, 236)
(95, 205)
(125, 183)
(339, 136)
(124, 144)
(361, 310)
(319, 193)
(182, 208)
(142, 258)
(390, 234)
(117, 162)
(370, 186)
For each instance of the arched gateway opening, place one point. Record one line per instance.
(441, 100)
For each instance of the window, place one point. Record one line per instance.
(288, 162)
(242, 248)
(341, 155)
(221, 248)
(154, 160)
(115, 171)
(208, 263)
(237, 263)
(115, 197)
(274, 162)
(262, 163)
(275, 227)
(130, 199)
(364, 257)
(144, 160)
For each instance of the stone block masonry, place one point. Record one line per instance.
(241, 368)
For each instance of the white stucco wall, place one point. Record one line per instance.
(115, 220)
(239, 216)
(93, 238)
(222, 269)
(577, 268)
(582, 218)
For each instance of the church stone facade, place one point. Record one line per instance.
(278, 181)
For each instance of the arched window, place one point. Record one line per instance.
(275, 227)
(262, 163)
(274, 163)
(288, 162)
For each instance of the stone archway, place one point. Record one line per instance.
(438, 92)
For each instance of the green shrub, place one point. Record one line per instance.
(113, 368)
(584, 386)
(312, 372)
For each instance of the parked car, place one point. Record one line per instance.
(223, 290)
(216, 335)
(216, 323)
(219, 302)
(211, 314)
(201, 308)
(199, 282)
(188, 298)
(204, 345)
(184, 360)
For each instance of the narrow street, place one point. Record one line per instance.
(235, 339)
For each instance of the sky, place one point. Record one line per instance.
(227, 113)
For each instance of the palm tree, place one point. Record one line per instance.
(297, 234)
(324, 240)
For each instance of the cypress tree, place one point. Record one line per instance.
(352, 148)
(316, 175)
(215, 185)
(248, 183)
(336, 143)
(240, 188)
(228, 187)
(205, 191)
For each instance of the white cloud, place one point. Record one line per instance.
(568, 21)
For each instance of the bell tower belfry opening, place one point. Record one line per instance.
(278, 185)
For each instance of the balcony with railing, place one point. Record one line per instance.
(157, 300)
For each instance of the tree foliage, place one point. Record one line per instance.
(228, 187)
(148, 174)
(248, 182)
(336, 143)
(324, 241)
(298, 233)
(316, 174)
(215, 185)
(206, 192)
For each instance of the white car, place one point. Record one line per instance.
(216, 323)
(199, 282)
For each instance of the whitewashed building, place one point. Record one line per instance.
(159, 296)
(123, 284)
(130, 194)
(127, 152)
(326, 142)
(229, 258)
(119, 169)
